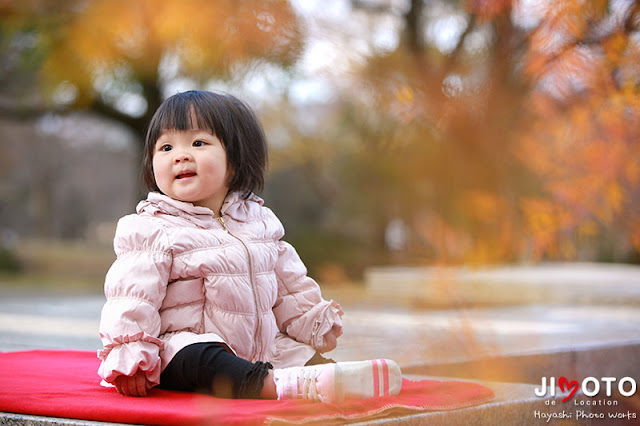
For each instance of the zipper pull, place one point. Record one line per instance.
(221, 220)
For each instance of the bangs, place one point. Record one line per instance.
(183, 114)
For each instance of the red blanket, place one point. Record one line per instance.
(65, 384)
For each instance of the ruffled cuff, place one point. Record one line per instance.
(311, 327)
(126, 354)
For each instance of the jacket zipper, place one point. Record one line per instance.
(253, 288)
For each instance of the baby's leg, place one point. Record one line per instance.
(269, 389)
(209, 368)
(336, 382)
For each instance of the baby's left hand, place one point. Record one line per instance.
(331, 339)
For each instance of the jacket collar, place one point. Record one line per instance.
(234, 206)
(239, 209)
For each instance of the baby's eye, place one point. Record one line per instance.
(198, 143)
(166, 147)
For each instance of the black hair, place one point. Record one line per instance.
(232, 121)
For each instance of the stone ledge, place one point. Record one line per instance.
(13, 419)
(549, 283)
(599, 360)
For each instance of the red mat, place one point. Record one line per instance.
(65, 384)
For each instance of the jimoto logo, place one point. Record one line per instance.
(590, 386)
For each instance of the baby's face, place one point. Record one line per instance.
(191, 165)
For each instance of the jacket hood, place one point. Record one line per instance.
(234, 206)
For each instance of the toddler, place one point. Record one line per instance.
(204, 296)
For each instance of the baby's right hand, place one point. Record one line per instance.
(136, 385)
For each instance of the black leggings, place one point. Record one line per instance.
(209, 368)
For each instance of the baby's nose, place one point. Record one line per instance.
(182, 156)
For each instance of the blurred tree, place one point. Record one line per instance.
(119, 58)
(497, 130)
(504, 130)
(583, 139)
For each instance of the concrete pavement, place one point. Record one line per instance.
(37, 320)
(509, 347)
(412, 337)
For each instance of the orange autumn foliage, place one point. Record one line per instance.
(94, 44)
(538, 155)
(584, 142)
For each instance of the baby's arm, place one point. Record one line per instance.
(300, 310)
(134, 287)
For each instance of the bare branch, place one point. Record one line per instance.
(593, 39)
(101, 108)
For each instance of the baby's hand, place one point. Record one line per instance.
(338, 307)
(136, 385)
(331, 339)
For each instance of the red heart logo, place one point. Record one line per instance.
(571, 386)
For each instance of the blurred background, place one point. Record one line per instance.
(401, 132)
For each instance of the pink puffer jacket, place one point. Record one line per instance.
(182, 276)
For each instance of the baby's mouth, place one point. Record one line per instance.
(185, 175)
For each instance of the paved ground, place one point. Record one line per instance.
(30, 320)
(412, 337)
(583, 338)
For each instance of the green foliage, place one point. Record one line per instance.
(322, 250)
(9, 261)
